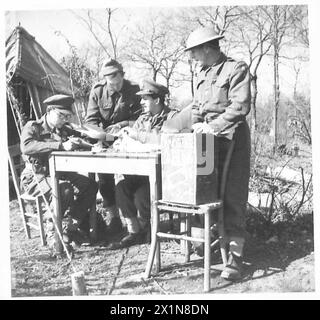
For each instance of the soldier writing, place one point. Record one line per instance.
(38, 140)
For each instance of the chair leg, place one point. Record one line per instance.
(207, 255)
(24, 218)
(187, 243)
(40, 221)
(158, 241)
(158, 256)
(222, 237)
(183, 229)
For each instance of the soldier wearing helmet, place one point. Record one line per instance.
(221, 103)
(113, 104)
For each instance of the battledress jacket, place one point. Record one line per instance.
(147, 126)
(221, 98)
(222, 95)
(38, 140)
(106, 107)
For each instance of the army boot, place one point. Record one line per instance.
(115, 224)
(133, 236)
(233, 270)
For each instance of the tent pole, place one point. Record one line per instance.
(32, 101)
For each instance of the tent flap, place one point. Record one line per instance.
(26, 58)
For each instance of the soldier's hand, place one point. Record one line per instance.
(127, 132)
(69, 145)
(202, 127)
(114, 128)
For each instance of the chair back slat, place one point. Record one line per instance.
(13, 152)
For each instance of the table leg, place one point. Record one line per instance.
(187, 243)
(154, 251)
(154, 197)
(56, 205)
(153, 246)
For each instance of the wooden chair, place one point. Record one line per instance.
(185, 212)
(14, 157)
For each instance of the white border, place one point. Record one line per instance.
(314, 72)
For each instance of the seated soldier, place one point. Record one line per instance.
(133, 192)
(38, 139)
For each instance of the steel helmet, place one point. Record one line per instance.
(202, 35)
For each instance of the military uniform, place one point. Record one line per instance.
(133, 192)
(222, 99)
(107, 107)
(37, 142)
(221, 103)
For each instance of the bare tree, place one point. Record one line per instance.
(253, 35)
(169, 65)
(157, 46)
(148, 47)
(220, 17)
(281, 19)
(99, 28)
(300, 25)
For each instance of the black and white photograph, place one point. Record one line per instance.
(159, 150)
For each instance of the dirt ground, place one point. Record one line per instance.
(276, 262)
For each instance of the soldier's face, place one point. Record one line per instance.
(150, 105)
(57, 119)
(200, 55)
(115, 80)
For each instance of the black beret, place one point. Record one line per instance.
(150, 87)
(60, 101)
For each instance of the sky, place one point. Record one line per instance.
(42, 25)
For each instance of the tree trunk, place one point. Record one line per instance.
(192, 77)
(154, 77)
(276, 101)
(276, 88)
(254, 91)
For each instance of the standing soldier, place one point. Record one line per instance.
(221, 103)
(113, 104)
(38, 139)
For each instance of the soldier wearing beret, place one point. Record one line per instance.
(38, 139)
(221, 103)
(113, 104)
(133, 192)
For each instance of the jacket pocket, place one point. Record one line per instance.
(106, 111)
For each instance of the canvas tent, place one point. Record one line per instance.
(32, 75)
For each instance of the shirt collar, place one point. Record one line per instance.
(222, 58)
(162, 113)
(112, 91)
